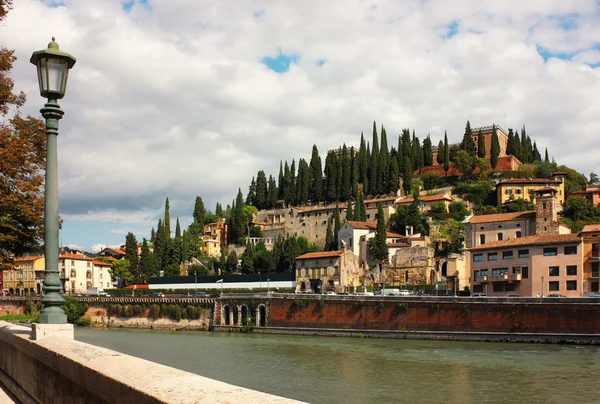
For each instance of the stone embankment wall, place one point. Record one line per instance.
(480, 315)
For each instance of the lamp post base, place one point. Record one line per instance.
(52, 315)
(41, 331)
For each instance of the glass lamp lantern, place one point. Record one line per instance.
(53, 70)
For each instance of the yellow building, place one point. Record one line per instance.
(214, 237)
(523, 188)
(21, 280)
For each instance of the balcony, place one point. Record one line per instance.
(595, 257)
(498, 278)
(514, 277)
(481, 278)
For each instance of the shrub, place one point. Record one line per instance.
(74, 309)
(154, 311)
(83, 321)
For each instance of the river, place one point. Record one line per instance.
(365, 370)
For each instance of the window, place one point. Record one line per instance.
(571, 270)
(484, 272)
(508, 191)
(499, 271)
(477, 257)
(554, 271)
(595, 287)
(500, 236)
(570, 250)
(550, 251)
(482, 239)
(523, 253)
(493, 256)
(543, 205)
(507, 255)
(510, 287)
(518, 234)
(498, 287)
(477, 288)
(595, 271)
(476, 273)
(553, 286)
(571, 285)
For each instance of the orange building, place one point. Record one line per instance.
(214, 237)
(591, 257)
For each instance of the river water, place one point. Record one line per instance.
(365, 370)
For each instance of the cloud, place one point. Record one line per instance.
(96, 248)
(175, 99)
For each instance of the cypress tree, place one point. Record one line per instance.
(399, 157)
(366, 184)
(316, 177)
(467, 143)
(440, 153)
(510, 143)
(336, 228)
(481, 145)
(131, 254)
(349, 211)
(383, 166)
(427, 152)
(176, 248)
(374, 163)
(292, 184)
(330, 177)
(495, 149)
(280, 184)
(546, 160)
(417, 154)
(446, 154)
(536, 156)
(159, 244)
(360, 210)
(517, 147)
(261, 191)
(238, 228)
(302, 182)
(362, 160)
(378, 247)
(328, 237)
(338, 181)
(346, 174)
(272, 193)
(199, 214)
(167, 223)
(354, 173)
(394, 176)
(287, 185)
(524, 150)
(251, 193)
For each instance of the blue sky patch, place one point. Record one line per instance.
(320, 62)
(127, 5)
(452, 29)
(54, 3)
(258, 13)
(281, 63)
(547, 54)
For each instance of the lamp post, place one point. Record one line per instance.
(268, 285)
(542, 286)
(53, 70)
(221, 282)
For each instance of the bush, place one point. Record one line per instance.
(84, 321)
(74, 309)
(154, 311)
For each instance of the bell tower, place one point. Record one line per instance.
(546, 217)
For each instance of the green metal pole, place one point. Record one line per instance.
(52, 312)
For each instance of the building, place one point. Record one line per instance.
(371, 206)
(76, 272)
(591, 257)
(411, 265)
(336, 271)
(100, 275)
(541, 261)
(427, 201)
(524, 188)
(21, 279)
(112, 252)
(486, 131)
(214, 237)
(311, 223)
(591, 193)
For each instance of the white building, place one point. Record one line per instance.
(79, 272)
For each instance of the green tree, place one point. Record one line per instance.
(346, 174)
(329, 237)
(476, 193)
(354, 174)
(374, 162)
(378, 247)
(337, 225)
(593, 178)
(393, 176)
(260, 200)
(176, 250)
(167, 221)
(272, 192)
(446, 154)
(383, 166)
(432, 181)
(199, 213)
(417, 154)
(131, 255)
(232, 262)
(349, 211)
(280, 181)
(219, 210)
(360, 210)
(510, 143)
(251, 197)
(546, 159)
(119, 271)
(536, 154)
(468, 144)
(465, 162)
(481, 145)
(303, 183)
(148, 265)
(440, 154)
(316, 179)
(459, 208)
(495, 149)
(363, 163)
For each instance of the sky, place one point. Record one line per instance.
(191, 98)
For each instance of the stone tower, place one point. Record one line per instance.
(546, 218)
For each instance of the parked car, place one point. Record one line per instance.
(591, 294)
(202, 294)
(329, 292)
(156, 294)
(555, 295)
(478, 295)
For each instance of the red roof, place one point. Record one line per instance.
(529, 181)
(398, 245)
(425, 198)
(100, 263)
(362, 225)
(590, 227)
(71, 256)
(388, 199)
(529, 240)
(27, 259)
(320, 254)
(116, 250)
(502, 217)
(389, 234)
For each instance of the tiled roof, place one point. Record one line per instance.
(362, 225)
(390, 234)
(100, 263)
(546, 189)
(70, 256)
(590, 227)
(116, 250)
(388, 199)
(529, 181)
(529, 240)
(27, 259)
(320, 254)
(398, 245)
(502, 217)
(425, 198)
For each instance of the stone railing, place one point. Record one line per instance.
(61, 370)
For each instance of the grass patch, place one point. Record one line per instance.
(20, 318)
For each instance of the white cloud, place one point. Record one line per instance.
(96, 248)
(172, 100)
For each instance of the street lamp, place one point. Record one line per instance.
(221, 282)
(268, 285)
(542, 286)
(53, 70)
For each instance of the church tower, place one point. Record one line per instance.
(546, 217)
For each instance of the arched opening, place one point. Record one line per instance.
(226, 314)
(39, 288)
(262, 316)
(235, 315)
(244, 315)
